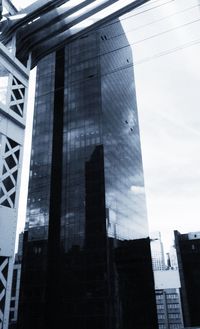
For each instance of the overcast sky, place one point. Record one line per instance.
(168, 91)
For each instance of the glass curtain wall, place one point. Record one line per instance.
(86, 207)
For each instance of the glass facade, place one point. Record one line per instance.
(86, 206)
(99, 109)
(40, 173)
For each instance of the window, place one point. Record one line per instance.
(174, 316)
(162, 326)
(37, 250)
(12, 303)
(161, 316)
(173, 306)
(12, 315)
(171, 296)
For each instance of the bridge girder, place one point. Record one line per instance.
(46, 26)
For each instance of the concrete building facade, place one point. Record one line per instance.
(169, 307)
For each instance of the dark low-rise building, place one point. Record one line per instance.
(188, 255)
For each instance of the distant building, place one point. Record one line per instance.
(14, 301)
(173, 258)
(169, 311)
(188, 254)
(157, 252)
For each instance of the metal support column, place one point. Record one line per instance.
(14, 78)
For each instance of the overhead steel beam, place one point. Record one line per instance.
(9, 6)
(47, 26)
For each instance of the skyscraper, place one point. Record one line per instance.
(87, 258)
(188, 255)
(157, 252)
(173, 262)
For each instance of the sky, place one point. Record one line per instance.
(20, 4)
(168, 105)
(165, 36)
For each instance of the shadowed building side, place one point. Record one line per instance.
(136, 283)
(188, 255)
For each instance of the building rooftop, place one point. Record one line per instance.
(167, 279)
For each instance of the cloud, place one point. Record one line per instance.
(137, 189)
